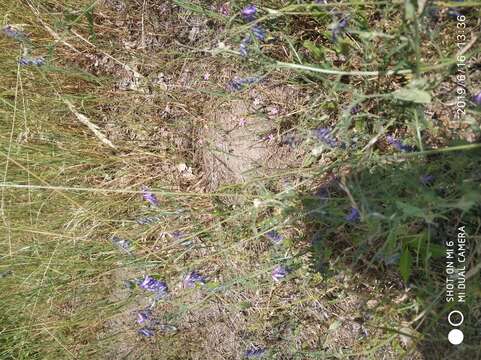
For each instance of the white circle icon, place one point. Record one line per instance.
(455, 336)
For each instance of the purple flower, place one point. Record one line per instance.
(477, 99)
(146, 332)
(147, 220)
(399, 145)
(324, 135)
(322, 194)
(426, 179)
(122, 244)
(193, 278)
(339, 28)
(355, 109)
(244, 44)
(149, 196)
(249, 12)
(237, 83)
(143, 316)
(274, 236)
(27, 61)
(11, 32)
(154, 285)
(177, 235)
(353, 216)
(254, 352)
(259, 32)
(279, 273)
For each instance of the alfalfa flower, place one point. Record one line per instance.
(153, 285)
(149, 196)
(353, 216)
(244, 44)
(274, 236)
(143, 316)
(279, 273)
(339, 28)
(249, 13)
(399, 145)
(194, 278)
(147, 220)
(13, 33)
(259, 32)
(29, 61)
(477, 98)
(122, 244)
(324, 135)
(238, 84)
(254, 352)
(177, 234)
(146, 332)
(427, 179)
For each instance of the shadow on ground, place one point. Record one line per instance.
(410, 213)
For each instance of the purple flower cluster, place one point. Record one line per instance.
(355, 109)
(237, 83)
(339, 28)
(29, 61)
(143, 316)
(243, 47)
(274, 236)
(13, 33)
(353, 216)
(427, 179)
(145, 331)
(149, 196)
(147, 220)
(194, 278)
(259, 34)
(279, 273)
(399, 145)
(324, 135)
(254, 352)
(249, 13)
(123, 245)
(156, 286)
(477, 98)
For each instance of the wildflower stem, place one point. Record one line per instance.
(312, 68)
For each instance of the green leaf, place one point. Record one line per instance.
(317, 53)
(405, 265)
(413, 95)
(411, 210)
